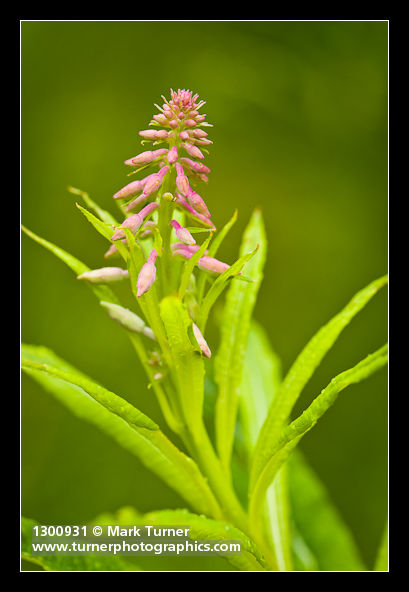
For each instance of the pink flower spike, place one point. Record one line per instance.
(192, 150)
(201, 341)
(211, 264)
(182, 233)
(172, 155)
(104, 275)
(147, 275)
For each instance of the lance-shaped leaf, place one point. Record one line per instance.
(382, 563)
(66, 563)
(106, 398)
(235, 328)
(299, 374)
(101, 213)
(105, 230)
(186, 361)
(201, 529)
(319, 522)
(293, 433)
(151, 446)
(261, 381)
(101, 291)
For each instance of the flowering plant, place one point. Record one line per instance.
(241, 486)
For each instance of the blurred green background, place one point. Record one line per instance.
(300, 116)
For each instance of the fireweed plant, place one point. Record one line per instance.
(241, 483)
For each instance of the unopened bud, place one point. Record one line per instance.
(172, 155)
(147, 275)
(146, 157)
(182, 182)
(198, 203)
(104, 275)
(198, 167)
(201, 341)
(128, 319)
(182, 233)
(211, 264)
(134, 222)
(130, 189)
(192, 150)
(154, 134)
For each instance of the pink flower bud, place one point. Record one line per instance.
(147, 275)
(192, 150)
(154, 181)
(196, 166)
(173, 124)
(197, 202)
(200, 118)
(154, 134)
(198, 133)
(185, 251)
(104, 275)
(182, 233)
(113, 250)
(184, 136)
(190, 123)
(211, 264)
(146, 157)
(130, 189)
(182, 203)
(203, 142)
(127, 319)
(161, 118)
(172, 155)
(201, 341)
(182, 182)
(134, 222)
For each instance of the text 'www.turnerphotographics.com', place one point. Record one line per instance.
(125, 540)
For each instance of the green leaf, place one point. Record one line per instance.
(105, 230)
(319, 522)
(299, 374)
(152, 447)
(107, 399)
(103, 214)
(186, 361)
(235, 328)
(261, 381)
(381, 563)
(293, 433)
(101, 291)
(201, 529)
(66, 563)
